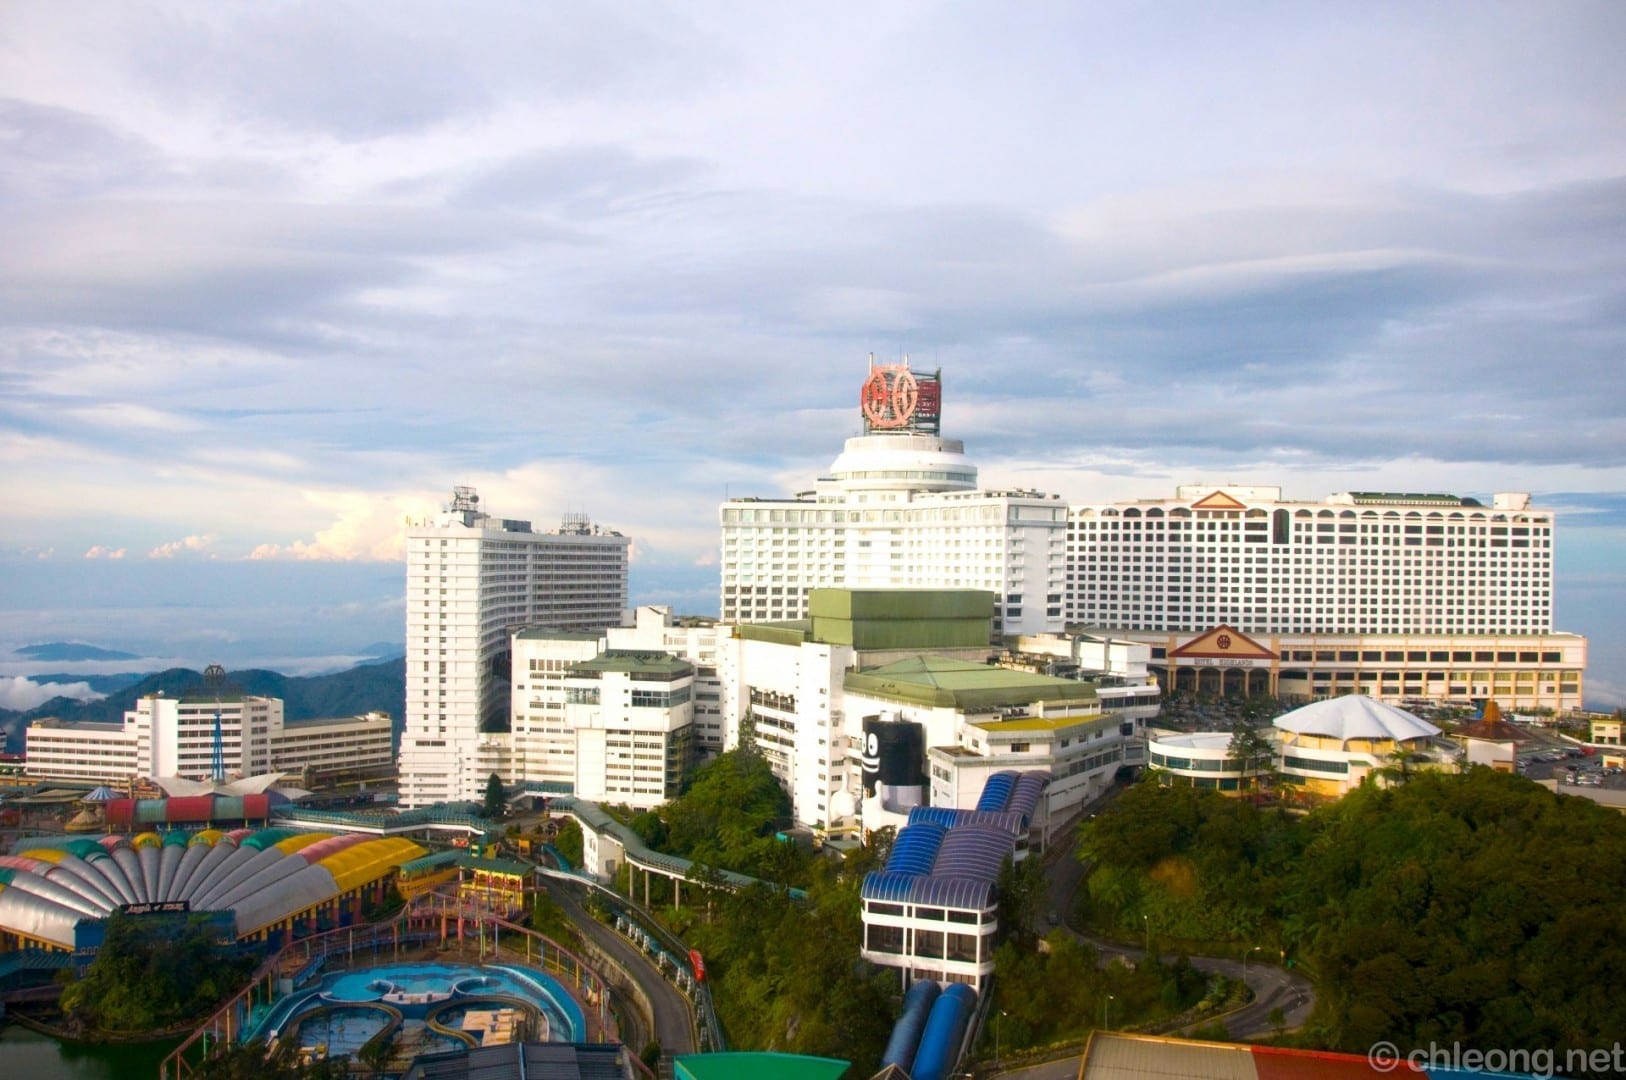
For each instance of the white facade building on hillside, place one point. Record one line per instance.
(782, 695)
(827, 700)
(693, 638)
(631, 714)
(473, 580)
(174, 736)
(900, 509)
(546, 727)
(543, 740)
(1397, 596)
(615, 725)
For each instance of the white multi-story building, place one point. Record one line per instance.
(167, 736)
(356, 746)
(693, 638)
(852, 707)
(900, 509)
(1394, 595)
(544, 742)
(472, 581)
(631, 715)
(782, 696)
(554, 733)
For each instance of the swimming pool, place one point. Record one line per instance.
(416, 989)
(339, 1032)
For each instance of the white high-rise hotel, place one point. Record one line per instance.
(900, 509)
(472, 581)
(1235, 589)
(1400, 596)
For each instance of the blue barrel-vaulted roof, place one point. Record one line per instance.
(1014, 792)
(996, 790)
(1025, 798)
(973, 851)
(915, 849)
(947, 857)
(950, 818)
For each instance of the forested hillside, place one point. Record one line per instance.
(786, 973)
(1479, 908)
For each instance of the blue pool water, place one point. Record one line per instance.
(416, 988)
(342, 1031)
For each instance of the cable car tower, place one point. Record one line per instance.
(214, 682)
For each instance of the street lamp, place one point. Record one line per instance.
(1104, 1006)
(996, 1037)
(1147, 921)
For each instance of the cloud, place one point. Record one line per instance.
(100, 552)
(21, 693)
(183, 546)
(629, 261)
(365, 527)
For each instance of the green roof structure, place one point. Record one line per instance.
(635, 663)
(553, 633)
(793, 632)
(922, 619)
(941, 681)
(755, 1065)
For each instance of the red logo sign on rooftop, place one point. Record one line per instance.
(895, 398)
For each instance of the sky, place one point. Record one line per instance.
(275, 276)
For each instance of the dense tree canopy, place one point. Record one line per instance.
(1479, 908)
(786, 974)
(728, 818)
(153, 973)
(1060, 992)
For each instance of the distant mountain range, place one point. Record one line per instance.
(364, 688)
(64, 652)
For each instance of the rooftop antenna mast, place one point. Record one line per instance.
(214, 682)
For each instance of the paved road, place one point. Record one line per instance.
(1272, 986)
(674, 1026)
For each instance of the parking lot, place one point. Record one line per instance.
(1569, 765)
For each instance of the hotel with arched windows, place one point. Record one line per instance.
(1403, 597)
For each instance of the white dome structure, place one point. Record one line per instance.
(1331, 746)
(1355, 716)
(904, 462)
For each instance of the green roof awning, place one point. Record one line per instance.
(754, 1065)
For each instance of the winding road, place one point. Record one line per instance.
(674, 1024)
(1273, 987)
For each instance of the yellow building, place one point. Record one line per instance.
(1330, 747)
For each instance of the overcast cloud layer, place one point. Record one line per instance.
(275, 276)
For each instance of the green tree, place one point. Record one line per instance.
(1251, 748)
(569, 841)
(152, 973)
(495, 800)
(1021, 887)
(728, 818)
